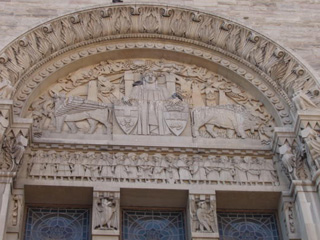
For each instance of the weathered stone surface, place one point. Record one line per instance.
(294, 23)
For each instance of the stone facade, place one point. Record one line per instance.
(146, 106)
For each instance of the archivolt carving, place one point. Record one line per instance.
(226, 36)
(150, 97)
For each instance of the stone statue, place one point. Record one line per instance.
(287, 158)
(206, 217)
(105, 218)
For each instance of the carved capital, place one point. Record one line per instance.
(14, 144)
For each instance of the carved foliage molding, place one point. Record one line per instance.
(13, 148)
(226, 36)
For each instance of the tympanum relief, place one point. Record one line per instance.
(150, 97)
(151, 168)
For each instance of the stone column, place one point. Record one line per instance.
(15, 215)
(5, 191)
(106, 215)
(288, 219)
(308, 209)
(203, 217)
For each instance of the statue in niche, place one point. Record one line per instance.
(150, 109)
(106, 214)
(206, 217)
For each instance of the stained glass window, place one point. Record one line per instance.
(57, 224)
(248, 226)
(153, 225)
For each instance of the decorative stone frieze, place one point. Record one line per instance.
(151, 168)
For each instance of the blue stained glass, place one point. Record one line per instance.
(153, 225)
(248, 226)
(57, 224)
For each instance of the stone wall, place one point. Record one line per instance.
(295, 23)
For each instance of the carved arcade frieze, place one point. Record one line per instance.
(150, 168)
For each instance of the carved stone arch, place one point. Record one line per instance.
(267, 70)
(131, 40)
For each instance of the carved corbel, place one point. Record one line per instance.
(135, 10)
(253, 37)
(105, 13)
(278, 53)
(196, 17)
(227, 26)
(106, 213)
(203, 216)
(23, 42)
(75, 19)
(166, 12)
(47, 28)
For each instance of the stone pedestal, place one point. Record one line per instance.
(205, 236)
(105, 235)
